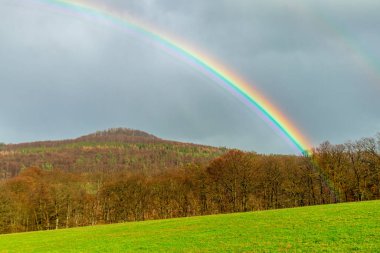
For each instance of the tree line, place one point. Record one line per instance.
(40, 199)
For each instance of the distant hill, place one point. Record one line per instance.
(120, 135)
(116, 149)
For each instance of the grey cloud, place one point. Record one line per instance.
(63, 75)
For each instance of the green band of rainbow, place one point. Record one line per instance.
(201, 62)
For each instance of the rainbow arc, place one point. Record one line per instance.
(197, 60)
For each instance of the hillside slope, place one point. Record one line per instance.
(330, 228)
(118, 149)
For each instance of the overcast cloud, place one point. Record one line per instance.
(63, 75)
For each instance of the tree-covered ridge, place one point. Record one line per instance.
(117, 150)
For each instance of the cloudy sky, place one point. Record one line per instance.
(63, 75)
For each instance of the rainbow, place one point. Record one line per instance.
(196, 59)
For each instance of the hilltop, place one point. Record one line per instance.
(120, 135)
(330, 228)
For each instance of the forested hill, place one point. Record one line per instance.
(126, 175)
(113, 150)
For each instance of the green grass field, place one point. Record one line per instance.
(333, 228)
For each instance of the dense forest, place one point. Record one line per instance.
(124, 175)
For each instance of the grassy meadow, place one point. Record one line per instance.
(329, 228)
